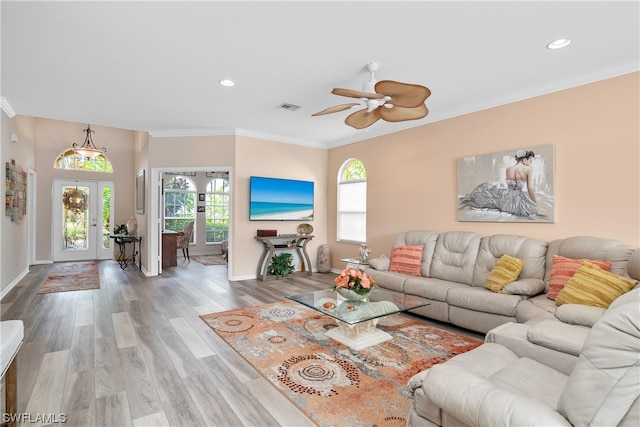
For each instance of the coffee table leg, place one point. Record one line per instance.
(358, 336)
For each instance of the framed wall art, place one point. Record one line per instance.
(508, 186)
(15, 192)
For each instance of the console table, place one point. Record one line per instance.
(283, 242)
(122, 240)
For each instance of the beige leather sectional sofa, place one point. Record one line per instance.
(531, 365)
(493, 385)
(456, 264)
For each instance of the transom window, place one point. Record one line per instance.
(179, 203)
(217, 210)
(352, 202)
(69, 159)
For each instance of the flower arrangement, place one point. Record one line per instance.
(355, 280)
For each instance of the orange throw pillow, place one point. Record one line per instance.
(406, 259)
(564, 268)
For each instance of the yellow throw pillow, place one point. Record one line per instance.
(506, 270)
(591, 285)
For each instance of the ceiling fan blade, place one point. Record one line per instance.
(401, 114)
(403, 94)
(361, 119)
(351, 93)
(335, 109)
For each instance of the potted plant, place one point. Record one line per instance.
(281, 264)
(120, 229)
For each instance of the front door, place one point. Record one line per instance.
(82, 218)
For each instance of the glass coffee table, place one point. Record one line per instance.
(357, 320)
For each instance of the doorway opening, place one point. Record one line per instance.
(82, 217)
(202, 195)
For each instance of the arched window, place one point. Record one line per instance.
(217, 210)
(352, 202)
(69, 159)
(179, 203)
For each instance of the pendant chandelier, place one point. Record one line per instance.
(88, 149)
(75, 200)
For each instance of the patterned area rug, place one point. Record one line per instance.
(332, 384)
(209, 259)
(72, 276)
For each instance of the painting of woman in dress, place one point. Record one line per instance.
(511, 187)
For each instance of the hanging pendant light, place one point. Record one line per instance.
(88, 150)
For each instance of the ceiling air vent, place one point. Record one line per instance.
(288, 107)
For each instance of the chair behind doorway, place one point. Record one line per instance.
(184, 237)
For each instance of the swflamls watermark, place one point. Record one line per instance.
(24, 418)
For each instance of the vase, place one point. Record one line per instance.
(132, 226)
(352, 295)
(365, 252)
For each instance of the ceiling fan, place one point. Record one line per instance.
(387, 100)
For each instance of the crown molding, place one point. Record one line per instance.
(7, 108)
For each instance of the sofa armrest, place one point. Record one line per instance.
(528, 287)
(514, 336)
(381, 264)
(475, 400)
(578, 314)
(559, 336)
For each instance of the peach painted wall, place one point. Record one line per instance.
(201, 152)
(259, 157)
(192, 151)
(52, 138)
(595, 132)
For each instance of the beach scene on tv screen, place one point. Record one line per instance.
(281, 199)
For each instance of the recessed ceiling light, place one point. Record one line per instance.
(227, 82)
(559, 44)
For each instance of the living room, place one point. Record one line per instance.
(594, 129)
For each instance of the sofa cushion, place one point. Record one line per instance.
(455, 256)
(483, 300)
(578, 314)
(387, 279)
(496, 397)
(506, 270)
(427, 239)
(603, 387)
(406, 259)
(591, 285)
(426, 287)
(531, 251)
(564, 268)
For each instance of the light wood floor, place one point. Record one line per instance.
(136, 353)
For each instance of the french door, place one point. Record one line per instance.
(82, 217)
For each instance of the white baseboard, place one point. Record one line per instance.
(13, 283)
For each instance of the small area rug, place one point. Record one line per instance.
(209, 259)
(72, 276)
(332, 384)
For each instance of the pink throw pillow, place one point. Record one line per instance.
(406, 259)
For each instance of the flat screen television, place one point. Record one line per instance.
(277, 199)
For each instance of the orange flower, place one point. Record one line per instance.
(354, 279)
